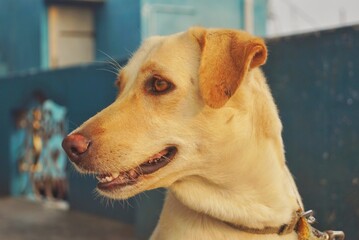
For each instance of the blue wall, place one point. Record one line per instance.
(314, 79)
(260, 17)
(118, 30)
(23, 27)
(23, 32)
(20, 34)
(169, 16)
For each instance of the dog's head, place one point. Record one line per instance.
(178, 100)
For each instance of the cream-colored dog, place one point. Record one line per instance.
(194, 114)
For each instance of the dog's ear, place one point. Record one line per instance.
(227, 56)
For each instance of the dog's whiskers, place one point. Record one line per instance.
(107, 70)
(113, 67)
(113, 61)
(110, 64)
(136, 199)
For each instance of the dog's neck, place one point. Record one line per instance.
(255, 198)
(264, 197)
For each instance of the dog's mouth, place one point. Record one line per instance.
(108, 181)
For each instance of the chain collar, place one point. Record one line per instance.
(300, 223)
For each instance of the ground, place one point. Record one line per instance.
(21, 219)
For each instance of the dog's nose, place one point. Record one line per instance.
(75, 145)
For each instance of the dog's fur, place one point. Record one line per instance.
(230, 164)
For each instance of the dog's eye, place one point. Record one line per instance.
(156, 86)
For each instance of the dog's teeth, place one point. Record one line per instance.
(101, 180)
(115, 174)
(107, 177)
(122, 178)
(132, 173)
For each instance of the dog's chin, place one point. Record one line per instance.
(125, 184)
(124, 192)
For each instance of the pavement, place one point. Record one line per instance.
(21, 219)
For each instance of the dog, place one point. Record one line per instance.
(194, 114)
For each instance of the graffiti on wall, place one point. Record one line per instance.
(36, 149)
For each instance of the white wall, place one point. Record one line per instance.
(293, 16)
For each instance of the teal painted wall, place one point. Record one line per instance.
(162, 17)
(20, 34)
(118, 28)
(260, 17)
(23, 32)
(314, 79)
(118, 24)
